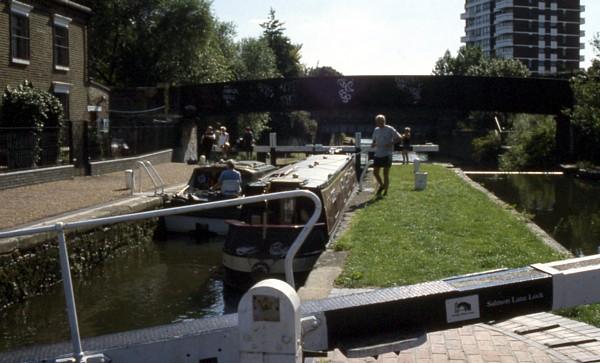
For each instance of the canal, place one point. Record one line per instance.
(179, 279)
(567, 208)
(161, 283)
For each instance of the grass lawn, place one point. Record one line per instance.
(448, 229)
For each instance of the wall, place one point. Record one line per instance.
(29, 271)
(41, 70)
(35, 176)
(110, 166)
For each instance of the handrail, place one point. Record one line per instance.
(60, 228)
(156, 174)
(154, 177)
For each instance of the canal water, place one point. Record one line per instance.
(567, 208)
(164, 282)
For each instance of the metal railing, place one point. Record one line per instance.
(60, 227)
(157, 181)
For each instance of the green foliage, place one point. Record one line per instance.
(494, 67)
(286, 53)
(487, 148)
(256, 60)
(31, 110)
(258, 123)
(532, 143)
(470, 61)
(145, 42)
(459, 65)
(585, 115)
(27, 106)
(325, 71)
(445, 230)
(217, 58)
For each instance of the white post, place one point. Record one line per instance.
(416, 164)
(269, 324)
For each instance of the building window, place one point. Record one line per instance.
(61, 42)
(19, 32)
(61, 91)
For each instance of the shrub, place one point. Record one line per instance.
(532, 144)
(487, 148)
(30, 110)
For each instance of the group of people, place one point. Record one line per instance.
(384, 139)
(218, 141)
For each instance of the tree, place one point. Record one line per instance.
(585, 115)
(532, 143)
(494, 67)
(324, 71)
(456, 66)
(217, 58)
(286, 53)
(256, 60)
(139, 42)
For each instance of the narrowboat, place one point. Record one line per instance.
(256, 244)
(199, 189)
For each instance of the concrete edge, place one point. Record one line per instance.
(534, 228)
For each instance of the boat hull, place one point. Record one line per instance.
(255, 250)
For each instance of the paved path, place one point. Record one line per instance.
(25, 205)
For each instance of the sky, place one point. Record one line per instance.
(375, 37)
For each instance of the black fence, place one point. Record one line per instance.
(131, 136)
(82, 141)
(23, 148)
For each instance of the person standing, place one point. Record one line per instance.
(248, 142)
(207, 142)
(223, 142)
(405, 145)
(384, 138)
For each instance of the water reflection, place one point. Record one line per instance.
(161, 283)
(566, 208)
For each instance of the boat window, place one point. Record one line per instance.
(202, 181)
(287, 210)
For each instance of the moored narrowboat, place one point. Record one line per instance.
(200, 189)
(257, 244)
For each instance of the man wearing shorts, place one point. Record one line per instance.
(384, 138)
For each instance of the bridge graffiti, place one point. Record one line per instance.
(527, 95)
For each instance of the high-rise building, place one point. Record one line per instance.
(543, 34)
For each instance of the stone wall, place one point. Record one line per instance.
(111, 166)
(30, 270)
(35, 176)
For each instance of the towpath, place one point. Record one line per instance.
(26, 205)
(534, 338)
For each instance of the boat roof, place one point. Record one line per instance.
(312, 172)
(251, 166)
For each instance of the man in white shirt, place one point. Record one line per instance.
(384, 138)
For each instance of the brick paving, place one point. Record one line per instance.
(28, 204)
(502, 342)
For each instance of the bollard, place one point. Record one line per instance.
(202, 160)
(269, 323)
(129, 179)
(416, 164)
(420, 180)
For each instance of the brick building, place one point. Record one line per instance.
(543, 34)
(45, 42)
